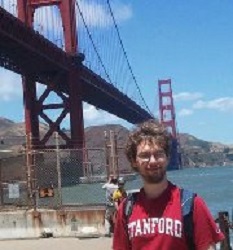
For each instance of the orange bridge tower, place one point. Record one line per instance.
(168, 118)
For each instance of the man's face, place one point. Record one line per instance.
(151, 162)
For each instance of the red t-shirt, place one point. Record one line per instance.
(157, 224)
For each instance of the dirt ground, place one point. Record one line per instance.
(57, 244)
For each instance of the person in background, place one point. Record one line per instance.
(156, 221)
(110, 186)
(120, 193)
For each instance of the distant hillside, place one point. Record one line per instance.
(11, 129)
(5, 123)
(195, 152)
(95, 135)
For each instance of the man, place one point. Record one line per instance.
(110, 187)
(156, 221)
(120, 193)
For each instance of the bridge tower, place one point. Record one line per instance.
(167, 117)
(34, 107)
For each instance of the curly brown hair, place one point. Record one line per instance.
(152, 131)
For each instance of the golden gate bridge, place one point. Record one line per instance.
(75, 50)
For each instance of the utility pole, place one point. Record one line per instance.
(111, 154)
(1, 187)
(106, 149)
(30, 171)
(59, 186)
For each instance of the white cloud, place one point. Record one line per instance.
(97, 15)
(201, 123)
(11, 86)
(122, 12)
(94, 116)
(185, 112)
(187, 96)
(224, 104)
(10, 7)
(47, 19)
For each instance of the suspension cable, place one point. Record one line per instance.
(126, 57)
(93, 44)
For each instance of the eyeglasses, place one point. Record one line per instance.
(146, 156)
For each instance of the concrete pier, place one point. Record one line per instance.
(26, 224)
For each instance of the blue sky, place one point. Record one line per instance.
(190, 42)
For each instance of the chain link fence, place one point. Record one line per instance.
(13, 182)
(74, 176)
(54, 178)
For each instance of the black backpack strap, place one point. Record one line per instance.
(187, 203)
(127, 209)
(128, 205)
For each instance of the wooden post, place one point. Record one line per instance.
(116, 154)
(113, 154)
(30, 172)
(1, 187)
(59, 186)
(106, 148)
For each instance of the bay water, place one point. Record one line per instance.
(213, 184)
